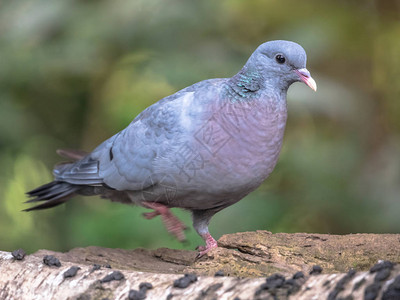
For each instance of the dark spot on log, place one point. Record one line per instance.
(193, 277)
(111, 154)
(116, 275)
(292, 285)
(71, 272)
(185, 281)
(382, 275)
(358, 284)
(145, 286)
(141, 293)
(351, 273)
(298, 275)
(307, 246)
(372, 291)
(393, 290)
(276, 284)
(382, 265)
(219, 274)
(136, 295)
(95, 268)
(290, 282)
(18, 254)
(316, 270)
(236, 298)
(170, 296)
(107, 266)
(50, 260)
(273, 282)
(326, 283)
(341, 284)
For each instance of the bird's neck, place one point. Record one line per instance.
(245, 84)
(248, 84)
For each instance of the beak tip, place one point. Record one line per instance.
(305, 76)
(312, 84)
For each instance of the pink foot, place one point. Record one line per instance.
(211, 243)
(171, 223)
(151, 215)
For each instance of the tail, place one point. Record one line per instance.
(56, 192)
(51, 194)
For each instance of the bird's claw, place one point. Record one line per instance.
(211, 243)
(171, 222)
(150, 215)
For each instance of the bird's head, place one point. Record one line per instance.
(281, 63)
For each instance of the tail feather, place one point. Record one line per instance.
(49, 204)
(51, 194)
(41, 188)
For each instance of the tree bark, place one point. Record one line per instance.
(245, 259)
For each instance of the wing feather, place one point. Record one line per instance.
(126, 160)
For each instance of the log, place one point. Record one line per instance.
(249, 262)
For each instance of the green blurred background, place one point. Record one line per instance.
(73, 73)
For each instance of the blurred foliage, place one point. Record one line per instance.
(74, 72)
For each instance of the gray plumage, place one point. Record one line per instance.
(202, 149)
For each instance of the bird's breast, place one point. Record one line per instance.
(233, 147)
(250, 138)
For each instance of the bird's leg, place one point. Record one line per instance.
(201, 218)
(211, 243)
(171, 222)
(151, 215)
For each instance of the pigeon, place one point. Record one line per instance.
(201, 149)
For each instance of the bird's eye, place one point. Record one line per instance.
(280, 58)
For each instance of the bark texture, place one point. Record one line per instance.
(247, 261)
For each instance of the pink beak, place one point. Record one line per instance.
(306, 78)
